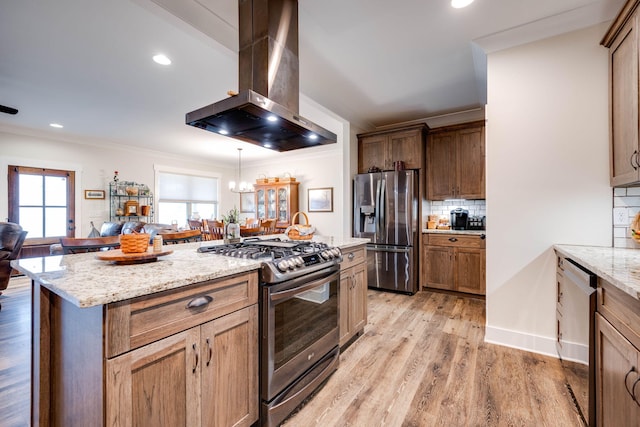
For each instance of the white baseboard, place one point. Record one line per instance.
(521, 341)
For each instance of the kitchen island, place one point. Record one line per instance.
(171, 342)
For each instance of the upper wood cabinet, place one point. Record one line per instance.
(456, 162)
(277, 200)
(622, 41)
(382, 149)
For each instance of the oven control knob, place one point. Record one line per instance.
(298, 261)
(336, 252)
(284, 265)
(326, 255)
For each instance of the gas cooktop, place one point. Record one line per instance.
(281, 259)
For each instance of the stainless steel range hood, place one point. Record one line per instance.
(265, 111)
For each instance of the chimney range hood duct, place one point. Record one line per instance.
(265, 111)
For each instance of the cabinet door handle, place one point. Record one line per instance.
(200, 301)
(453, 239)
(210, 352)
(351, 256)
(634, 155)
(195, 353)
(633, 369)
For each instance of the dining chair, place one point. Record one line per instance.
(251, 222)
(216, 229)
(206, 234)
(268, 226)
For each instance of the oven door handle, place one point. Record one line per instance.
(288, 293)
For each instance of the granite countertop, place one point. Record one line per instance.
(86, 281)
(470, 232)
(619, 266)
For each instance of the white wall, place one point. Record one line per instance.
(94, 165)
(547, 176)
(95, 162)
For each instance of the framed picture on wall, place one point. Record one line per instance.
(94, 194)
(131, 208)
(247, 202)
(320, 199)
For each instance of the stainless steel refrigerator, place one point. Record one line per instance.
(386, 211)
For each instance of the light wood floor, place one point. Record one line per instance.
(421, 362)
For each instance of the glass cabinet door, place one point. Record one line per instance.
(282, 204)
(271, 203)
(260, 205)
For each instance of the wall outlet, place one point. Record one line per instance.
(620, 216)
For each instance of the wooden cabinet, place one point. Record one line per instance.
(184, 357)
(353, 293)
(205, 376)
(617, 357)
(622, 41)
(454, 262)
(456, 162)
(382, 149)
(277, 200)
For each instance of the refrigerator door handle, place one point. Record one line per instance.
(382, 207)
(377, 212)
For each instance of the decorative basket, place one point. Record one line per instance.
(262, 179)
(273, 179)
(134, 243)
(300, 231)
(131, 191)
(635, 228)
(287, 178)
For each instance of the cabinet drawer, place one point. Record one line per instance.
(139, 321)
(456, 240)
(620, 309)
(352, 256)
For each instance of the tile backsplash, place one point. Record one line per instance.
(444, 208)
(626, 204)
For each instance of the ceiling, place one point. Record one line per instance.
(87, 63)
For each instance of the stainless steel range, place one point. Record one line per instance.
(298, 319)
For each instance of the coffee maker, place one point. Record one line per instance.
(459, 218)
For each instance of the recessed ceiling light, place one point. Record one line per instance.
(223, 132)
(272, 118)
(313, 137)
(56, 125)
(458, 4)
(267, 145)
(161, 59)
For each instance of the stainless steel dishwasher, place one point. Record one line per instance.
(575, 308)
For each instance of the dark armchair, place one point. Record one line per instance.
(11, 239)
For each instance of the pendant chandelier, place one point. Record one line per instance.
(243, 187)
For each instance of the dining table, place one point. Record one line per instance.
(180, 236)
(250, 230)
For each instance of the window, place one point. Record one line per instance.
(182, 196)
(42, 201)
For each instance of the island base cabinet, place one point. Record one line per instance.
(158, 384)
(175, 381)
(616, 374)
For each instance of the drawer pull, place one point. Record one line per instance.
(453, 239)
(633, 390)
(200, 301)
(633, 369)
(351, 256)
